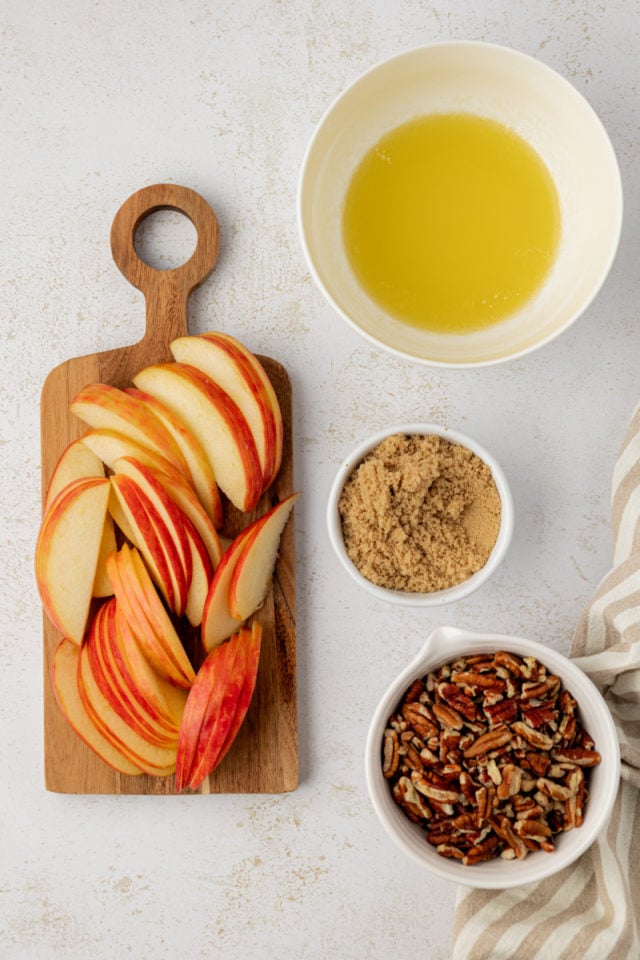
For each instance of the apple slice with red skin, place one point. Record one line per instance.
(145, 529)
(152, 759)
(182, 495)
(67, 551)
(201, 576)
(76, 462)
(147, 618)
(201, 475)
(102, 406)
(217, 424)
(219, 619)
(254, 568)
(101, 583)
(217, 622)
(162, 509)
(246, 693)
(110, 445)
(259, 371)
(229, 369)
(162, 701)
(113, 686)
(202, 707)
(64, 679)
(217, 705)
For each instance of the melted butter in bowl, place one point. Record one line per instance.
(451, 222)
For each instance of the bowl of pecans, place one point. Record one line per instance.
(492, 760)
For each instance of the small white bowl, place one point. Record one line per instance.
(504, 85)
(438, 597)
(442, 646)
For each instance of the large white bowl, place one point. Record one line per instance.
(437, 597)
(443, 646)
(511, 88)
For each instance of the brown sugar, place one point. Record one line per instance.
(420, 514)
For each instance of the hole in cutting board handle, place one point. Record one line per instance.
(165, 239)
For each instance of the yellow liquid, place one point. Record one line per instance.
(451, 222)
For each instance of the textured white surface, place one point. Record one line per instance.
(98, 100)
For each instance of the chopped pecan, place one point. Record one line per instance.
(414, 692)
(511, 780)
(484, 681)
(420, 719)
(489, 741)
(503, 711)
(541, 689)
(406, 795)
(539, 714)
(552, 789)
(451, 851)
(454, 696)
(486, 850)
(580, 756)
(449, 716)
(538, 762)
(511, 662)
(535, 737)
(431, 792)
(391, 754)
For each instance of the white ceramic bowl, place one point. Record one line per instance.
(511, 88)
(436, 598)
(443, 646)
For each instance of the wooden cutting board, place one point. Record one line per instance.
(264, 757)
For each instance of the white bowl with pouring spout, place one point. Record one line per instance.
(444, 645)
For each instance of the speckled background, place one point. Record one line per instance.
(99, 99)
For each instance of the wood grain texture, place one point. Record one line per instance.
(264, 756)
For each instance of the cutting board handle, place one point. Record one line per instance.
(166, 292)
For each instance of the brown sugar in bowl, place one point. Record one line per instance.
(420, 515)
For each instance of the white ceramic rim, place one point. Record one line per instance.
(607, 263)
(439, 597)
(443, 645)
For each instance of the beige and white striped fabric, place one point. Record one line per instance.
(591, 910)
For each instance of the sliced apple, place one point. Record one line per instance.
(147, 618)
(64, 678)
(202, 707)
(217, 424)
(182, 495)
(76, 462)
(113, 684)
(101, 584)
(152, 759)
(158, 699)
(201, 474)
(67, 551)
(262, 375)
(217, 705)
(109, 445)
(143, 526)
(253, 571)
(217, 621)
(102, 406)
(222, 364)
(201, 576)
(161, 506)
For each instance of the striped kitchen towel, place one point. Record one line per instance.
(591, 910)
